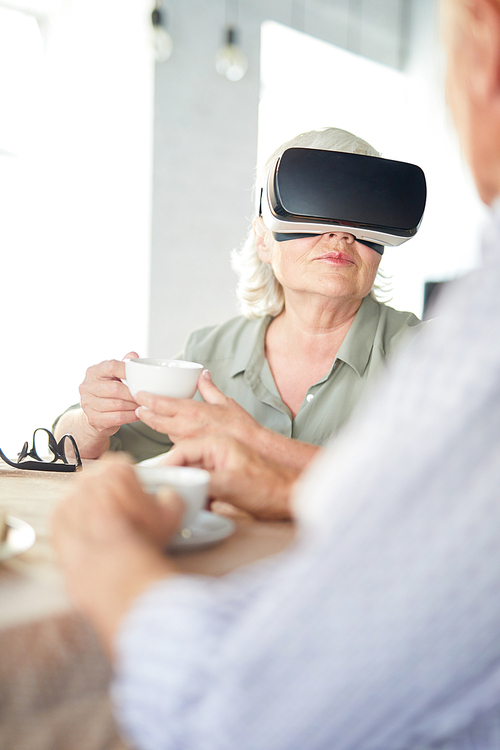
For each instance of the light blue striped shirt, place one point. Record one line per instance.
(380, 628)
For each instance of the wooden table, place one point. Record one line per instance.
(53, 675)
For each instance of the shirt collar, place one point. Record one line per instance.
(250, 348)
(356, 348)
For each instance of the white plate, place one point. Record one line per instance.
(206, 529)
(20, 537)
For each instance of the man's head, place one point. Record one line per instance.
(471, 31)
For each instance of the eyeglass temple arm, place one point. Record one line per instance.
(38, 465)
(62, 452)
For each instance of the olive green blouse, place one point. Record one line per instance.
(234, 352)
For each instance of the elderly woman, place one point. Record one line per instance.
(284, 376)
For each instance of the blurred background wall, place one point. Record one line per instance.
(207, 132)
(382, 80)
(125, 182)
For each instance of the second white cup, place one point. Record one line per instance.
(191, 484)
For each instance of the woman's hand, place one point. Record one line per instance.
(109, 536)
(106, 404)
(239, 475)
(105, 400)
(182, 418)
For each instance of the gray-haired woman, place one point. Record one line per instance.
(285, 375)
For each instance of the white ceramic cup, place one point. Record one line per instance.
(164, 377)
(191, 484)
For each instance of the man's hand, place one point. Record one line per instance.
(109, 536)
(239, 475)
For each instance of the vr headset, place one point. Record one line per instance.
(313, 191)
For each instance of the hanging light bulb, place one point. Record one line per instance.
(230, 60)
(162, 41)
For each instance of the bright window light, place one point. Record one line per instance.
(75, 195)
(309, 84)
(21, 60)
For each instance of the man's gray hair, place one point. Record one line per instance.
(258, 290)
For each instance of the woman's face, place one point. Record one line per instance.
(334, 264)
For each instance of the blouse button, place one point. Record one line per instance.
(309, 397)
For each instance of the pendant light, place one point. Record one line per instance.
(230, 60)
(162, 41)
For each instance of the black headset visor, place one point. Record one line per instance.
(314, 191)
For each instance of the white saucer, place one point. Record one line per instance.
(206, 529)
(20, 537)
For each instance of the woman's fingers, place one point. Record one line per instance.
(105, 399)
(209, 391)
(181, 419)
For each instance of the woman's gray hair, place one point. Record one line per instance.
(258, 290)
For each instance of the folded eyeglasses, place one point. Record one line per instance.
(65, 458)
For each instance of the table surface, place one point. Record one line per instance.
(53, 674)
